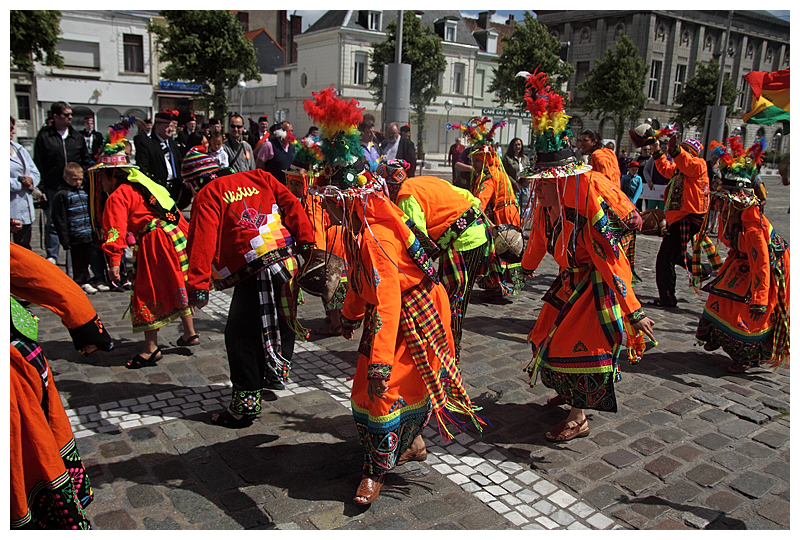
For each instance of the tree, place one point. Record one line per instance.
(34, 36)
(529, 48)
(207, 48)
(615, 86)
(422, 49)
(700, 92)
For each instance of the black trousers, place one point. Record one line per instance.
(80, 254)
(23, 236)
(246, 357)
(671, 254)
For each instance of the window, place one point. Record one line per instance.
(450, 30)
(744, 93)
(23, 92)
(480, 76)
(655, 77)
(80, 54)
(360, 69)
(680, 78)
(491, 43)
(134, 53)
(375, 20)
(458, 78)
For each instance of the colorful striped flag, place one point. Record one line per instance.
(770, 97)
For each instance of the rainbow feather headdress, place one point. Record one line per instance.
(112, 153)
(738, 167)
(549, 121)
(307, 153)
(480, 132)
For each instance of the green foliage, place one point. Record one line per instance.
(34, 36)
(529, 48)
(700, 92)
(615, 86)
(422, 49)
(207, 48)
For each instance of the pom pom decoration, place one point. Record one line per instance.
(734, 160)
(340, 143)
(549, 120)
(307, 152)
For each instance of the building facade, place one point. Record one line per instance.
(672, 44)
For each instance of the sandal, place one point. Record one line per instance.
(557, 399)
(226, 419)
(711, 346)
(193, 340)
(140, 361)
(369, 489)
(413, 455)
(735, 367)
(564, 433)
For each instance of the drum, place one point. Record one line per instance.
(322, 274)
(653, 221)
(508, 242)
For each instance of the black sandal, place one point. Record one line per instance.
(140, 361)
(189, 342)
(227, 420)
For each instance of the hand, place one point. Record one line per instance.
(27, 183)
(672, 144)
(757, 315)
(528, 274)
(16, 225)
(114, 273)
(201, 304)
(376, 387)
(650, 185)
(646, 326)
(347, 332)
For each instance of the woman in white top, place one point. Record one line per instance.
(24, 179)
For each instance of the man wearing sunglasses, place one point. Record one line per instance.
(55, 146)
(240, 153)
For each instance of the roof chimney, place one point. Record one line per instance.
(511, 20)
(295, 29)
(483, 20)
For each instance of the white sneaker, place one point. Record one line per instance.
(88, 289)
(102, 287)
(52, 260)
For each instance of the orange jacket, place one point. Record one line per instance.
(605, 162)
(687, 191)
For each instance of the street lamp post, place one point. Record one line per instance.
(448, 106)
(242, 85)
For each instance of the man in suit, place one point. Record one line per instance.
(189, 128)
(93, 138)
(254, 136)
(159, 157)
(397, 147)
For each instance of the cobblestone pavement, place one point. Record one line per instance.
(691, 447)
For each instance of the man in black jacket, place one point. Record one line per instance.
(159, 158)
(93, 138)
(397, 147)
(55, 146)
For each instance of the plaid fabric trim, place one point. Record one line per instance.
(701, 241)
(418, 254)
(422, 328)
(277, 365)
(457, 228)
(289, 299)
(32, 353)
(458, 271)
(609, 313)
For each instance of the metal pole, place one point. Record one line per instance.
(398, 50)
(722, 59)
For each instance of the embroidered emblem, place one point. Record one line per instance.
(620, 285)
(743, 325)
(239, 194)
(580, 347)
(715, 306)
(251, 218)
(598, 249)
(112, 236)
(379, 371)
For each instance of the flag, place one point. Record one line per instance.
(770, 97)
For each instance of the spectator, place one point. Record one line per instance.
(651, 174)
(55, 146)
(623, 160)
(24, 179)
(73, 225)
(277, 153)
(184, 134)
(464, 167)
(452, 157)
(313, 132)
(158, 156)
(644, 154)
(631, 182)
(405, 131)
(372, 152)
(215, 150)
(215, 126)
(240, 153)
(148, 126)
(397, 147)
(255, 137)
(514, 161)
(93, 138)
(602, 159)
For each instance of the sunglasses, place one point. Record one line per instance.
(65, 114)
(237, 126)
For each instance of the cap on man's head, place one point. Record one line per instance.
(405, 128)
(164, 116)
(213, 122)
(263, 118)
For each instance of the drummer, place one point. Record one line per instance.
(451, 216)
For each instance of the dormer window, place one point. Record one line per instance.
(371, 20)
(491, 43)
(450, 30)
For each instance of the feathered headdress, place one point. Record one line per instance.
(307, 153)
(480, 132)
(549, 120)
(735, 161)
(112, 153)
